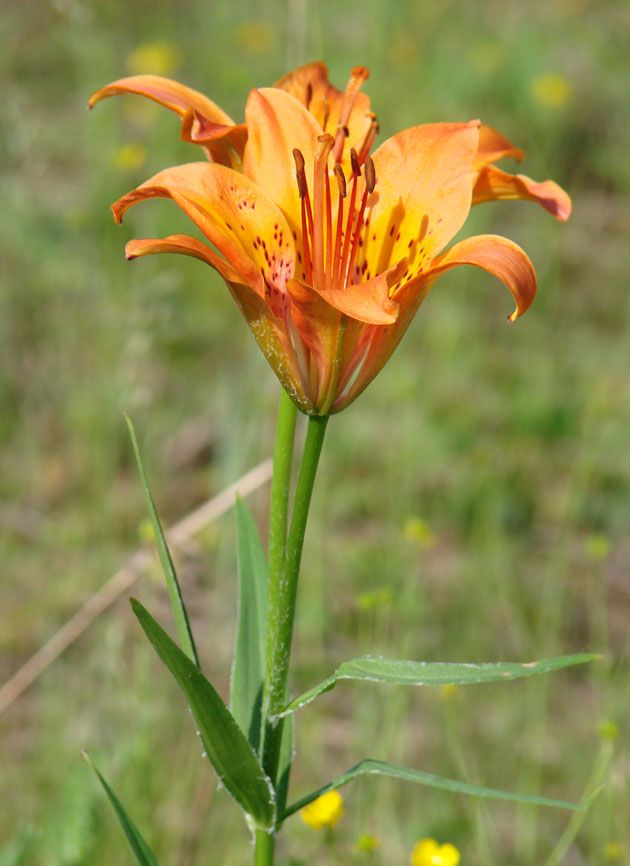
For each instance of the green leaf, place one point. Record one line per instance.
(251, 634)
(226, 746)
(172, 584)
(141, 850)
(381, 670)
(382, 768)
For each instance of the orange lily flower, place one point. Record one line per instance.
(347, 112)
(328, 251)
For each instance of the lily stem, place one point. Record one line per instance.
(283, 582)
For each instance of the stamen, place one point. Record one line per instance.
(307, 216)
(329, 258)
(357, 76)
(354, 162)
(368, 141)
(356, 171)
(300, 174)
(356, 238)
(320, 174)
(370, 177)
(309, 94)
(341, 181)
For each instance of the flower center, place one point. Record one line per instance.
(331, 245)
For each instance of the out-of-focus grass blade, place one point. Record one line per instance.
(593, 787)
(226, 746)
(172, 584)
(141, 850)
(385, 769)
(410, 673)
(249, 656)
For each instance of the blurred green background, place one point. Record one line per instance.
(473, 505)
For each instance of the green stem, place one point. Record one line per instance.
(279, 506)
(264, 845)
(282, 598)
(278, 519)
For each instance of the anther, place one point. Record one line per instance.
(300, 174)
(370, 177)
(309, 94)
(354, 161)
(341, 180)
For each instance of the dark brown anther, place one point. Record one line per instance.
(300, 174)
(354, 161)
(346, 131)
(341, 180)
(370, 177)
(309, 94)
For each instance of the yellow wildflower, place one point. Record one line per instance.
(158, 58)
(448, 691)
(613, 852)
(131, 156)
(325, 811)
(427, 852)
(597, 546)
(417, 529)
(608, 729)
(366, 843)
(551, 89)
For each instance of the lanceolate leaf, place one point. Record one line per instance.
(141, 850)
(409, 673)
(225, 744)
(382, 768)
(172, 584)
(249, 656)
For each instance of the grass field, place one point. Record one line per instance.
(473, 505)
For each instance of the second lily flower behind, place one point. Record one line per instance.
(329, 252)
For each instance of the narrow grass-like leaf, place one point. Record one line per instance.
(410, 673)
(141, 850)
(226, 746)
(251, 633)
(383, 768)
(172, 584)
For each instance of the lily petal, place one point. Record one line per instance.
(499, 256)
(368, 302)
(270, 332)
(236, 217)
(422, 195)
(183, 101)
(167, 92)
(492, 184)
(277, 125)
(494, 146)
(186, 245)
